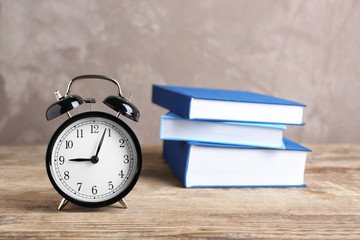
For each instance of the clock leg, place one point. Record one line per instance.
(62, 204)
(123, 203)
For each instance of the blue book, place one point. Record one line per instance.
(218, 165)
(227, 105)
(174, 127)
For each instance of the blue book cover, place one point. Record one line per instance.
(175, 127)
(218, 165)
(231, 105)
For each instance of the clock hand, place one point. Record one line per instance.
(100, 143)
(80, 159)
(94, 159)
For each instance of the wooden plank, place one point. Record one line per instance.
(159, 207)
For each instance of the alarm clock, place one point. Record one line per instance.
(93, 159)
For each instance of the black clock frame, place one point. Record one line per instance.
(123, 193)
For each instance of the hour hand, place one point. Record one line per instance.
(93, 159)
(80, 159)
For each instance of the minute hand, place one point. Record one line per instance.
(100, 143)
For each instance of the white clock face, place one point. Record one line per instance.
(93, 159)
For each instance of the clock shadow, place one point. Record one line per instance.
(155, 171)
(32, 201)
(44, 202)
(43, 198)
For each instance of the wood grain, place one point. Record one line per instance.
(159, 207)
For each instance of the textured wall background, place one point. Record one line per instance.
(306, 51)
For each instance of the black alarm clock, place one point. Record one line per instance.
(93, 159)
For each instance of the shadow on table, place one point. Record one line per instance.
(155, 171)
(155, 174)
(46, 202)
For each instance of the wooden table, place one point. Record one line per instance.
(159, 207)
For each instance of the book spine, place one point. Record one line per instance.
(175, 102)
(176, 155)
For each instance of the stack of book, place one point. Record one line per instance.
(227, 138)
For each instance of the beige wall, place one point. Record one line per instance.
(307, 51)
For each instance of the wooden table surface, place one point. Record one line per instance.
(159, 207)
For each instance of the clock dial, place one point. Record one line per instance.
(94, 159)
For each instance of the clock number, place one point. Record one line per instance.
(126, 159)
(111, 186)
(94, 128)
(61, 160)
(109, 132)
(79, 184)
(66, 175)
(121, 174)
(69, 144)
(94, 190)
(79, 133)
(122, 142)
